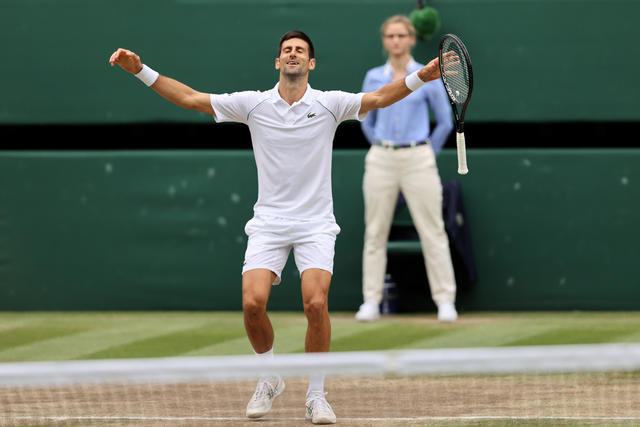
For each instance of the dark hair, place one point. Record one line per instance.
(295, 34)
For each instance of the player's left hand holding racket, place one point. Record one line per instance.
(457, 76)
(127, 60)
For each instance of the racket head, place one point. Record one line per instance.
(457, 74)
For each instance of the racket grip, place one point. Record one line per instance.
(462, 154)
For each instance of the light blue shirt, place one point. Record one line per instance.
(407, 120)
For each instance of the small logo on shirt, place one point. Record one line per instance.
(311, 115)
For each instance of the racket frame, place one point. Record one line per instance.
(459, 117)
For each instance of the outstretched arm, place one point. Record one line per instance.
(174, 91)
(395, 91)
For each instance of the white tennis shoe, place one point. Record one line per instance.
(447, 312)
(263, 397)
(318, 409)
(368, 312)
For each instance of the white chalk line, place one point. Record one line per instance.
(426, 418)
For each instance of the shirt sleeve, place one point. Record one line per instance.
(436, 96)
(233, 107)
(344, 105)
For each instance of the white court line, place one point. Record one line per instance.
(433, 418)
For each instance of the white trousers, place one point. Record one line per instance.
(414, 172)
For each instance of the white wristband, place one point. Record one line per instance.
(147, 75)
(413, 82)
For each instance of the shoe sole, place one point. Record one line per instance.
(324, 421)
(321, 420)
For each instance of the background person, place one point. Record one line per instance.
(402, 157)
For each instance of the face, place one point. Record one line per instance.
(397, 40)
(294, 58)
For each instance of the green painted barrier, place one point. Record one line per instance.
(563, 60)
(163, 230)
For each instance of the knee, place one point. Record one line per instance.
(253, 306)
(315, 308)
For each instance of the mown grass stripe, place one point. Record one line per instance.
(575, 335)
(385, 337)
(108, 329)
(77, 335)
(237, 346)
(173, 344)
(16, 337)
(483, 334)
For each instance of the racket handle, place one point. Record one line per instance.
(462, 154)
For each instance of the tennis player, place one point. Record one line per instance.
(292, 128)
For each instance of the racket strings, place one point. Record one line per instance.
(456, 75)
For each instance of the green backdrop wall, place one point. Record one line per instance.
(551, 229)
(534, 61)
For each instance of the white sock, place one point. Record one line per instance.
(272, 377)
(267, 355)
(316, 383)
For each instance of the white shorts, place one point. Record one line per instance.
(271, 239)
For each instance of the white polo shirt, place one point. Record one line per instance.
(292, 146)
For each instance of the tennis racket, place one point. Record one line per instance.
(457, 76)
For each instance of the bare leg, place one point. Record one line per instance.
(315, 295)
(256, 287)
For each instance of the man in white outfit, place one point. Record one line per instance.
(402, 157)
(292, 128)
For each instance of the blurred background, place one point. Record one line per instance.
(112, 198)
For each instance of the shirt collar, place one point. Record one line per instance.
(412, 65)
(306, 99)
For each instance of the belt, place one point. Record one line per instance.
(396, 146)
